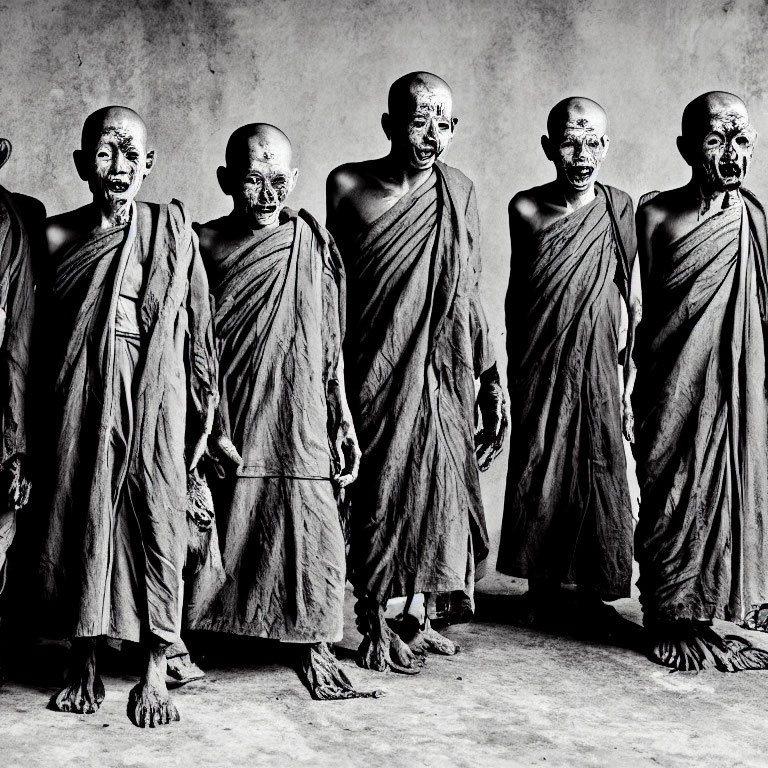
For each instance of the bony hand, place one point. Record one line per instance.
(199, 501)
(223, 454)
(17, 483)
(491, 404)
(627, 420)
(350, 449)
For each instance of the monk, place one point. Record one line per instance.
(278, 283)
(407, 227)
(701, 404)
(568, 516)
(22, 220)
(132, 393)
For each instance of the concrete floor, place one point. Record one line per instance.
(512, 697)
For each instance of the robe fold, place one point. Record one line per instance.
(417, 338)
(126, 410)
(702, 422)
(16, 314)
(568, 515)
(279, 329)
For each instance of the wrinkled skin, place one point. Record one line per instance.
(114, 159)
(263, 177)
(323, 675)
(84, 691)
(422, 128)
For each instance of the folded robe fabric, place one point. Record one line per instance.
(702, 422)
(16, 316)
(417, 338)
(568, 515)
(279, 330)
(123, 412)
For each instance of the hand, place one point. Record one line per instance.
(18, 485)
(223, 454)
(491, 404)
(627, 420)
(199, 501)
(351, 451)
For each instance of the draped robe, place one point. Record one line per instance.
(279, 327)
(702, 422)
(16, 312)
(124, 412)
(568, 514)
(417, 339)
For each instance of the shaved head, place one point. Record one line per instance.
(576, 110)
(697, 114)
(114, 118)
(404, 91)
(259, 141)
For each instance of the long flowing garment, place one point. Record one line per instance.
(16, 313)
(417, 339)
(568, 515)
(702, 416)
(279, 326)
(128, 401)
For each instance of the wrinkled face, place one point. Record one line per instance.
(726, 149)
(264, 184)
(117, 163)
(579, 151)
(425, 130)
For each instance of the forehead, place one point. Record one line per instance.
(432, 98)
(727, 116)
(264, 151)
(583, 120)
(122, 129)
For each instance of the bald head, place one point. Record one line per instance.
(115, 119)
(258, 141)
(715, 104)
(406, 90)
(259, 174)
(576, 111)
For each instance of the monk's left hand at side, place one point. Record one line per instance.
(17, 483)
(627, 420)
(350, 449)
(492, 406)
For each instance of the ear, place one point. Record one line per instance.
(5, 151)
(606, 144)
(81, 163)
(684, 149)
(386, 124)
(294, 176)
(150, 164)
(454, 123)
(222, 174)
(546, 145)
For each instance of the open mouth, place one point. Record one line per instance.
(580, 174)
(265, 210)
(422, 155)
(729, 170)
(117, 186)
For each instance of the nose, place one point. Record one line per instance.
(267, 194)
(730, 151)
(120, 163)
(432, 130)
(578, 150)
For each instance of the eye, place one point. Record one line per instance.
(418, 122)
(593, 143)
(103, 154)
(742, 141)
(444, 125)
(713, 141)
(133, 156)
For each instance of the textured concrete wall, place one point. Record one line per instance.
(196, 69)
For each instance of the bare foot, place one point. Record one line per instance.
(84, 691)
(323, 675)
(694, 645)
(182, 670)
(382, 649)
(427, 640)
(149, 704)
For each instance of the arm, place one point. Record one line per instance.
(635, 313)
(491, 403)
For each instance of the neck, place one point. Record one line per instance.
(109, 216)
(405, 175)
(711, 199)
(575, 199)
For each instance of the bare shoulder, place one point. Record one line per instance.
(350, 178)
(64, 228)
(654, 210)
(525, 207)
(211, 233)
